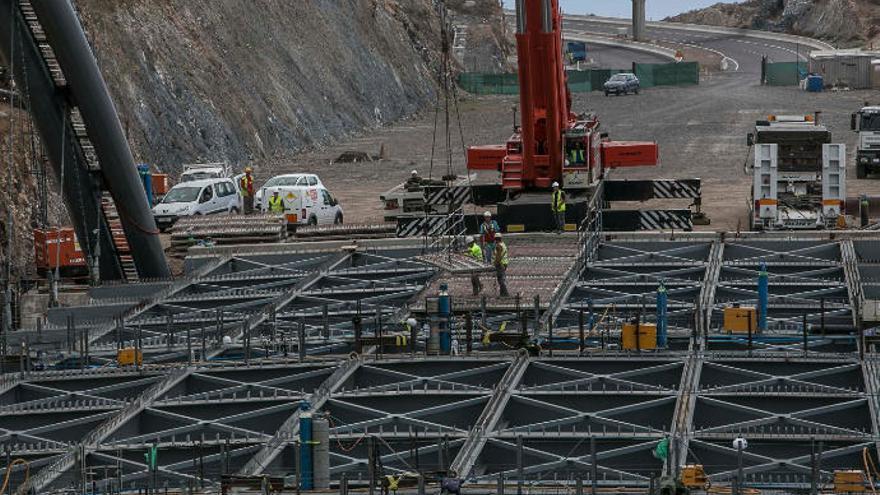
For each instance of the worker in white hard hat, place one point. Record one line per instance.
(488, 230)
(474, 251)
(501, 261)
(557, 206)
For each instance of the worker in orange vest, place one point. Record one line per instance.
(247, 190)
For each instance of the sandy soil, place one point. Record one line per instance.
(701, 131)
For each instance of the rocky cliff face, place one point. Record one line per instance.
(842, 22)
(232, 80)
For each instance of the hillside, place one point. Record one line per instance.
(845, 23)
(252, 82)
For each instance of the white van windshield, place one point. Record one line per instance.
(182, 195)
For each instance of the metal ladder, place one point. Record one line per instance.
(80, 135)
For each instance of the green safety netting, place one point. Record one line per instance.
(786, 73)
(671, 74)
(584, 81)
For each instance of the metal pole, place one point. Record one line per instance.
(749, 326)
(469, 332)
(371, 466)
(822, 315)
(763, 296)
(519, 465)
(581, 331)
(189, 349)
(813, 471)
(804, 325)
(739, 468)
(594, 471)
(550, 337)
(302, 341)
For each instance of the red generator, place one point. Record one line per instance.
(58, 248)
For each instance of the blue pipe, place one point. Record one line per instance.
(147, 179)
(306, 481)
(445, 310)
(662, 300)
(763, 296)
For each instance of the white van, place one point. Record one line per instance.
(304, 205)
(284, 182)
(200, 197)
(200, 171)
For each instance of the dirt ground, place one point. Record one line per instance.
(701, 131)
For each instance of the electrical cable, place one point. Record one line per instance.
(27, 473)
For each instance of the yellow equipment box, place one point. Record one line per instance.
(647, 336)
(736, 319)
(849, 481)
(693, 476)
(126, 357)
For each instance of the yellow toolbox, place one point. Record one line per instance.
(647, 336)
(736, 319)
(693, 476)
(849, 481)
(126, 357)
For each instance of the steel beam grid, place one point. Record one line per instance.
(781, 406)
(804, 277)
(621, 284)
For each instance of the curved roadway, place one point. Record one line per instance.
(743, 53)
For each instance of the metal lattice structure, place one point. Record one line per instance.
(591, 413)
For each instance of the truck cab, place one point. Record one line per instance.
(867, 123)
(799, 176)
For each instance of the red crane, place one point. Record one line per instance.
(540, 150)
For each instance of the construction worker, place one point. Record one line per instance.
(414, 181)
(488, 231)
(276, 204)
(247, 190)
(576, 155)
(474, 251)
(557, 206)
(501, 261)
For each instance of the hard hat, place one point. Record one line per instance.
(487, 214)
(248, 169)
(555, 184)
(469, 239)
(412, 322)
(227, 339)
(414, 172)
(498, 235)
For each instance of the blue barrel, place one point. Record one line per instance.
(305, 447)
(815, 83)
(146, 180)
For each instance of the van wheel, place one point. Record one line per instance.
(313, 220)
(233, 211)
(338, 219)
(606, 93)
(636, 91)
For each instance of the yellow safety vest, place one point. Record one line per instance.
(476, 252)
(576, 156)
(247, 183)
(276, 204)
(502, 258)
(558, 203)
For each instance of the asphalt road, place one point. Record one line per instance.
(612, 57)
(743, 53)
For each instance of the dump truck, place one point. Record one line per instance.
(867, 123)
(799, 175)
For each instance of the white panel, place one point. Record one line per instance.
(765, 175)
(833, 178)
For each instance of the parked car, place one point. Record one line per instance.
(623, 83)
(284, 182)
(200, 197)
(306, 200)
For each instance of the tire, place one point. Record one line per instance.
(338, 219)
(636, 91)
(313, 220)
(233, 211)
(607, 93)
(861, 171)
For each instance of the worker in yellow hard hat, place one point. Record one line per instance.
(247, 190)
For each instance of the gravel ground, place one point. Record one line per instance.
(701, 131)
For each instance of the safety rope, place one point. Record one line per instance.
(27, 473)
